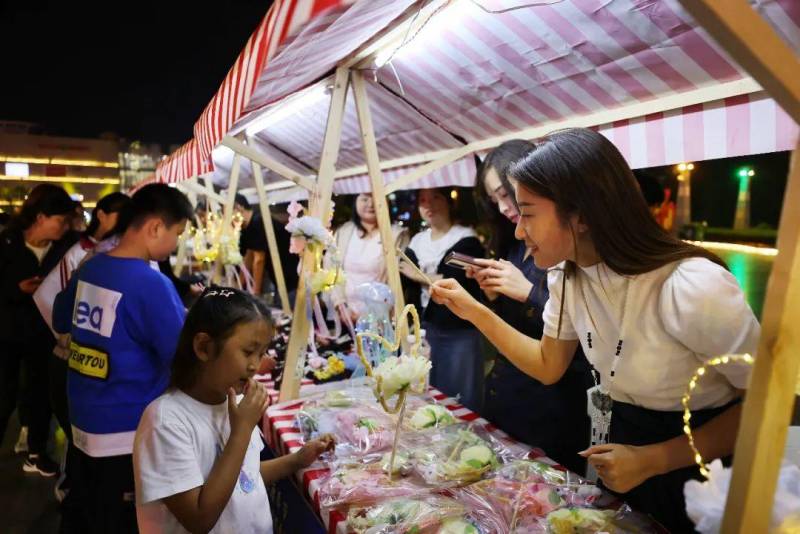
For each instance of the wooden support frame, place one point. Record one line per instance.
(272, 241)
(227, 211)
(378, 194)
(769, 402)
(200, 190)
(215, 200)
(319, 206)
(754, 45)
(262, 159)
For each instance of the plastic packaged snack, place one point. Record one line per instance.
(458, 454)
(364, 483)
(576, 491)
(433, 514)
(431, 416)
(590, 520)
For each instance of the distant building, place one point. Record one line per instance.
(138, 161)
(86, 168)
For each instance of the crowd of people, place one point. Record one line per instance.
(573, 295)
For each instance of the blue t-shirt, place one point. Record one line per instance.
(125, 321)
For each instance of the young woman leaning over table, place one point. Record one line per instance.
(646, 308)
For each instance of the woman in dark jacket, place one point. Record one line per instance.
(30, 247)
(553, 417)
(456, 349)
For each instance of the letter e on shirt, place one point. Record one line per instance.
(95, 308)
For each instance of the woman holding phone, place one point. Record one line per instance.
(551, 417)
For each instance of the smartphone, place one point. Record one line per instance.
(461, 261)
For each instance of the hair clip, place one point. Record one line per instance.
(220, 292)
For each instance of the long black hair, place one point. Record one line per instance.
(47, 199)
(500, 159)
(584, 174)
(217, 313)
(111, 203)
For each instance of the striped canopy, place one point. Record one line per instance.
(484, 69)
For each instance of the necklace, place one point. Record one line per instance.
(599, 402)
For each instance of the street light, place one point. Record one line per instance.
(742, 218)
(683, 209)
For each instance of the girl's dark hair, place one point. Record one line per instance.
(583, 173)
(500, 159)
(154, 200)
(47, 199)
(217, 313)
(111, 203)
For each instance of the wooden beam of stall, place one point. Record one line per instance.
(272, 241)
(754, 45)
(256, 156)
(378, 194)
(319, 206)
(768, 404)
(215, 200)
(227, 211)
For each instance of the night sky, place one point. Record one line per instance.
(143, 70)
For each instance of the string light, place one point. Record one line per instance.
(736, 247)
(687, 397)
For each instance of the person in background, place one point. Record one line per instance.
(359, 244)
(30, 247)
(456, 354)
(647, 309)
(124, 318)
(255, 250)
(196, 452)
(551, 417)
(4, 218)
(104, 219)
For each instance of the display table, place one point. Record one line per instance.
(283, 437)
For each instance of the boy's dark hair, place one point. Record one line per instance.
(111, 203)
(217, 313)
(241, 201)
(154, 200)
(47, 199)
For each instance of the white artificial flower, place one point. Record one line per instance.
(405, 372)
(311, 228)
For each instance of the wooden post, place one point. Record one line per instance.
(319, 206)
(769, 402)
(227, 212)
(272, 241)
(754, 45)
(378, 194)
(211, 195)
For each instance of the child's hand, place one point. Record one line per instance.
(313, 449)
(248, 413)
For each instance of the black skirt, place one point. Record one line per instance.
(552, 418)
(660, 496)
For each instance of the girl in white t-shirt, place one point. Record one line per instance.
(647, 309)
(197, 451)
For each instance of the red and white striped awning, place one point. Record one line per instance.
(472, 74)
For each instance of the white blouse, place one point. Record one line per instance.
(680, 316)
(430, 252)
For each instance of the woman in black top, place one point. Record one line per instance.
(550, 417)
(30, 247)
(456, 351)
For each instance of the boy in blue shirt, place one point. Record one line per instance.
(124, 317)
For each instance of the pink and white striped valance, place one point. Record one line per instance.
(739, 126)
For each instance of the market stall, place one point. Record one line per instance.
(428, 91)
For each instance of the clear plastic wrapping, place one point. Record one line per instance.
(365, 483)
(458, 454)
(432, 514)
